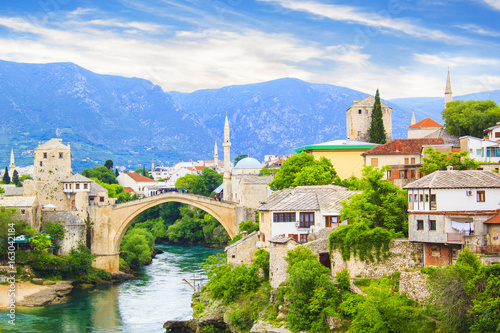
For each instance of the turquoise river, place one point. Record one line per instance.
(138, 306)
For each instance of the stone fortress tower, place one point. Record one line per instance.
(359, 117)
(448, 94)
(227, 163)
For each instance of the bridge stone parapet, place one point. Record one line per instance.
(109, 223)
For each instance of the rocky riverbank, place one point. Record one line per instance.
(37, 294)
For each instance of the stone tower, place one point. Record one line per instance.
(216, 157)
(359, 118)
(52, 161)
(448, 94)
(12, 165)
(227, 163)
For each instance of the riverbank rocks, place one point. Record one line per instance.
(120, 276)
(187, 326)
(37, 281)
(265, 327)
(53, 294)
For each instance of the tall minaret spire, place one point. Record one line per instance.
(12, 165)
(413, 120)
(227, 163)
(216, 157)
(448, 94)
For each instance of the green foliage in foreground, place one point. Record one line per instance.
(435, 160)
(466, 296)
(41, 243)
(102, 173)
(9, 221)
(463, 118)
(137, 247)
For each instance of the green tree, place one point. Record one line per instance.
(435, 160)
(116, 173)
(41, 243)
(463, 118)
(297, 171)
(9, 221)
(268, 171)
(136, 247)
(239, 158)
(6, 177)
(211, 179)
(143, 171)
(108, 164)
(102, 173)
(80, 259)
(15, 178)
(24, 177)
(377, 131)
(192, 183)
(56, 230)
(381, 204)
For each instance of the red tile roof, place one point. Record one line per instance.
(403, 146)
(199, 168)
(128, 189)
(494, 220)
(138, 178)
(427, 122)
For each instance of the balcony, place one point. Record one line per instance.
(454, 237)
(488, 249)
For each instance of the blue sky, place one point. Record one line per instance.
(403, 47)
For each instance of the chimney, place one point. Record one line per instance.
(449, 168)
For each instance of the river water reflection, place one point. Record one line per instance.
(141, 305)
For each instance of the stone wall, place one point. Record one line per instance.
(242, 251)
(405, 255)
(76, 229)
(414, 285)
(277, 263)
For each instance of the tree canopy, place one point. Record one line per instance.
(304, 169)
(15, 178)
(143, 171)
(108, 164)
(102, 173)
(435, 160)
(377, 131)
(470, 117)
(6, 177)
(203, 184)
(239, 158)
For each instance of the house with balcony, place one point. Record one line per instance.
(448, 210)
(297, 212)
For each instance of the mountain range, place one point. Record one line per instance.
(132, 121)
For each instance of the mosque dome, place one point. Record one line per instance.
(248, 163)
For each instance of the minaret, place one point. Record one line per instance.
(152, 165)
(12, 165)
(227, 163)
(413, 121)
(216, 157)
(448, 94)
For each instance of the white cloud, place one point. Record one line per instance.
(479, 30)
(493, 3)
(444, 60)
(381, 20)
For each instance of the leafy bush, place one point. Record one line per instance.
(41, 243)
(80, 259)
(136, 247)
(343, 280)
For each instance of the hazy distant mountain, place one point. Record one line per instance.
(132, 121)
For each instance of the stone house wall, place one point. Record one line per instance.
(277, 263)
(242, 251)
(405, 255)
(414, 285)
(76, 229)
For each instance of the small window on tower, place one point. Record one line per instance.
(41, 163)
(44, 155)
(61, 155)
(360, 111)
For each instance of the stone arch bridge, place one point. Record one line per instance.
(109, 223)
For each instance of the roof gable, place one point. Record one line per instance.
(454, 179)
(427, 122)
(138, 178)
(367, 102)
(403, 146)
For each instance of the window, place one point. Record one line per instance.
(85, 186)
(77, 186)
(61, 155)
(303, 238)
(497, 134)
(416, 198)
(360, 111)
(403, 174)
(420, 224)
(479, 152)
(23, 211)
(407, 160)
(294, 236)
(44, 155)
(389, 174)
(374, 161)
(481, 196)
(329, 220)
(69, 186)
(412, 160)
(413, 174)
(284, 217)
(432, 225)
(426, 198)
(41, 163)
(306, 219)
(101, 199)
(433, 198)
(421, 198)
(410, 197)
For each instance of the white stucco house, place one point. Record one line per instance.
(296, 212)
(447, 210)
(137, 182)
(483, 150)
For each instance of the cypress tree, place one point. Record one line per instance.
(116, 173)
(15, 178)
(6, 177)
(377, 130)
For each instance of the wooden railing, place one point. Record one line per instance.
(454, 237)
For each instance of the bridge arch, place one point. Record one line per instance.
(212, 207)
(111, 222)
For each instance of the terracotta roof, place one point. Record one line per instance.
(199, 168)
(403, 146)
(128, 190)
(138, 178)
(494, 220)
(451, 179)
(307, 198)
(427, 122)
